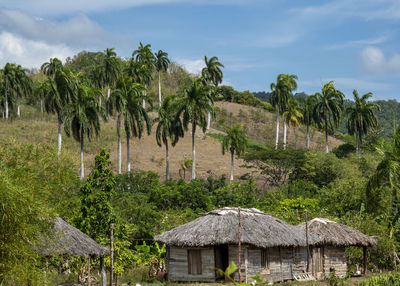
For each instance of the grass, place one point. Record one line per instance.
(252, 144)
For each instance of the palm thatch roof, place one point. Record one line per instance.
(337, 234)
(67, 239)
(221, 227)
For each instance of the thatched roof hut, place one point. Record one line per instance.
(221, 227)
(337, 234)
(67, 239)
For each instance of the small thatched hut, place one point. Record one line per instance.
(333, 238)
(270, 246)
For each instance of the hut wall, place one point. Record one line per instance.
(335, 257)
(178, 267)
(300, 260)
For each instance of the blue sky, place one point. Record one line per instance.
(353, 42)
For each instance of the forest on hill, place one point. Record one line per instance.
(70, 132)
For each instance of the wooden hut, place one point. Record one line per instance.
(329, 250)
(269, 246)
(68, 240)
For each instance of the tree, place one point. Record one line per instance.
(161, 63)
(59, 94)
(235, 141)
(110, 69)
(145, 57)
(41, 89)
(50, 68)
(122, 103)
(281, 92)
(308, 107)
(194, 107)
(95, 194)
(22, 86)
(328, 110)
(361, 117)
(212, 75)
(293, 116)
(168, 128)
(82, 116)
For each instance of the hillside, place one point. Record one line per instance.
(34, 127)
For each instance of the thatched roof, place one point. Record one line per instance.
(337, 234)
(221, 227)
(67, 239)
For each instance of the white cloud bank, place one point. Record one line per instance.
(192, 66)
(374, 61)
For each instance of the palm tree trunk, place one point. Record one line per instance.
(208, 120)
(308, 137)
(6, 103)
(144, 94)
(128, 154)
(159, 88)
(284, 133)
(41, 105)
(357, 143)
(119, 142)
(166, 161)
(82, 164)
(295, 137)
(18, 110)
(232, 164)
(108, 93)
(277, 128)
(193, 151)
(59, 139)
(326, 140)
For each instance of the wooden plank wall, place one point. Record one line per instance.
(178, 265)
(335, 257)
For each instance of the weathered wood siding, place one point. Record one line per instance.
(300, 260)
(178, 265)
(335, 257)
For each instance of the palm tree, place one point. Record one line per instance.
(145, 57)
(41, 89)
(59, 94)
(235, 141)
(22, 87)
(308, 107)
(212, 75)
(50, 68)
(281, 92)
(10, 82)
(293, 116)
(110, 69)
(168, 128)
(82, 116)
(119, 103)
(328, 110)
(361, 117)
(161, 63)
(194, 107)
(388, 170)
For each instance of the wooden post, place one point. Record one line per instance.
(365, 260)
(88, 270)
(308, 248)
(103, 272)
(239, 246)
(111, 253)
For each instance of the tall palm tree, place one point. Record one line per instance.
(194, 107)
(293, 116)
(40, 90)
(23, 86)
(109, 69)
(212, 75)
(168, 128)
(59, 94)
(135, 118)
(50, 68)
(119, 103)
(145, 57)
(10, 82)
(328, 110)
(82, 117)
(281, 92)
(361, 117)
(308, 107)
(161, 63)
(235, 141)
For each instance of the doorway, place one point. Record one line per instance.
(221, 253)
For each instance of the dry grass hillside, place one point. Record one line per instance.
(36, 128)
(260, 126)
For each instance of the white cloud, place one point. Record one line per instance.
(357, 43)
(29, 53)
(192, 66)
(374, 61)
